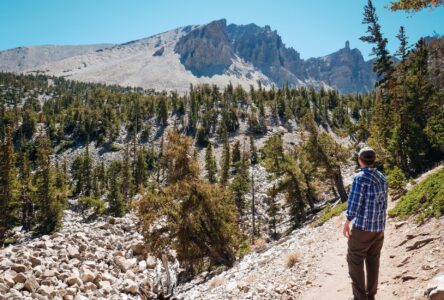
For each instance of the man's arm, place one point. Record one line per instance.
(354, 203)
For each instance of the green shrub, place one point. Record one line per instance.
(115, 147)
(92, 203)
(329, 212)
(425, 200)
(65, 145)
(396, 180)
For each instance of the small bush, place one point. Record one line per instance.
(329, 212)
(396, 180)
(216, 281)
(91, 203)
(292, 259)
(115, 147)
(425, 200)
(64, 145)
(259, 244)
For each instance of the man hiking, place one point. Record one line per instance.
(366, 211)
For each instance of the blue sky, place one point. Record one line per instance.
(313, 28)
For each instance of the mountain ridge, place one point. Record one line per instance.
(214, 53)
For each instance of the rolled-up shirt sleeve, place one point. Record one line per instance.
(355, 198)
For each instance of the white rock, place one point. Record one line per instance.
(72, 252)
(31, 285)
(73, 280)
(87, 275)
(45, 290)
(130, 286)
(435, 288)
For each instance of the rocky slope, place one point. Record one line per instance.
(24, 58)
(214, 53)
(104, 259)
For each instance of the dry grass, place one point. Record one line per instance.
(259, 244)
(292, 259)
(216, 281)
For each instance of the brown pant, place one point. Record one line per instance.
(364, 246)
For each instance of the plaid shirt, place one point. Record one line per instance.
(367, 202)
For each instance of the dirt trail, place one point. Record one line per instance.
(403, 274)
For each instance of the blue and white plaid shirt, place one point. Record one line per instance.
(367, 202)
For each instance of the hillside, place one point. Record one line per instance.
(105, 258)
(320, 267)
(214, 53)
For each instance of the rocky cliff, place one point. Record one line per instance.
(214, 53)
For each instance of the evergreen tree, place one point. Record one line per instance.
(383, 63)
(272, 212)
(162, 111)
(210, 164)
(49, 206)
(127, 185)
(236, 155)
(326, 153)
(141, 174)
(8, 186)
(284, 168)
(225, 163)
(240, 185)
(199, 222)
(117, 205)
(253, 152)
(27, 190)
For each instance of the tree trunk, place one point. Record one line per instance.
(337, 177)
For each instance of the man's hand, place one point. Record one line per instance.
(346, 230)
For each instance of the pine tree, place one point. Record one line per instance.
(326, 153)
(9, 209)
(141, 169)
(383, 63)
(199, 219)
(225, 163)
(253, 152)
(210, 164)
(284, 168)
(162, 111)
(27, 190)
(397, 145)
(49, 209)
(127, 185)
(117, 204)
(272, 212)
(87, 171)
(236, 155)
(240, 185)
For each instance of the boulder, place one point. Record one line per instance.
(435, 288)
(151, 262)
(139, 249)
(35, 261)
(45, 290)
(73, 252)
(125, 264)
(74, 280)
(49, 273)
(19, 268)
(130, 286)
(31, 285)
(5, 264)
(87, 275)
(19, 278)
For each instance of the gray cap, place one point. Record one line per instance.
(367, 153)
